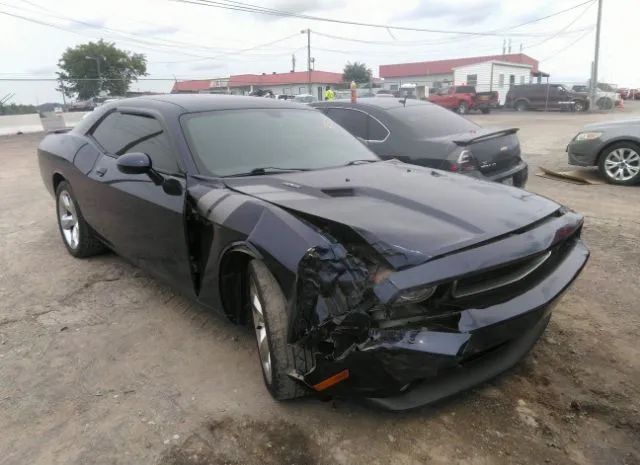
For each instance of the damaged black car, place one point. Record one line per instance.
(363, 278)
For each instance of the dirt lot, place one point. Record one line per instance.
(100, 364)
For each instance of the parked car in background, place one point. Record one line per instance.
(464, 99)
(360, 277)
(606, 96)
(614, 147)
(84, 105)
(524, 97)
(305, 98)
(426, 134)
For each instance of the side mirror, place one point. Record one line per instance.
(138, 163)
(134, 163)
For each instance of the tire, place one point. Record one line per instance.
(485, 111)
(604, 103)
(77, 236)
(610, 159)
(269, 316)
(521, 105)
(463, 108)
(579, 105)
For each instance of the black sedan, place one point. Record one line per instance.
(377, 279)
(428, 135)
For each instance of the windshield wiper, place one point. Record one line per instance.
(357, 162)
(266, 170)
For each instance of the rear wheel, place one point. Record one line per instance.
(269, 316)
(604, 103)
(77, 235)
(620, 164)
(521, 105)
(463, 108)
(485, 111)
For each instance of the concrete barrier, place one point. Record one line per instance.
(72, 118)
(13, 124)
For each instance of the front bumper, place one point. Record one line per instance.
(584, 153)
(403, 368)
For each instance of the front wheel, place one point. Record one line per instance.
(620, 164)
(269, 317)
(579, 105)
(463, 108)
(77, 235)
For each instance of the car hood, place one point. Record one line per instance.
(409, 214)
(614, 124)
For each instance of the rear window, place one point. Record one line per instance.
(465, 89)
(428, 120)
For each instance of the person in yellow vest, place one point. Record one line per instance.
(328, 93)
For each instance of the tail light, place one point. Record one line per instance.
(465, 162)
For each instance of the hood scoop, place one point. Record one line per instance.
(340, 192)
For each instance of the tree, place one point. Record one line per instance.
(99, 66)
(357, 72)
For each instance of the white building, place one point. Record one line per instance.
(442, 73)
(493, 76)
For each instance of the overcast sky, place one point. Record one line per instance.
(189, 41)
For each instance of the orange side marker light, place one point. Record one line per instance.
(331, 380)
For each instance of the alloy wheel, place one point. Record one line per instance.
(257, 311)
(68, 220)
(622, 164)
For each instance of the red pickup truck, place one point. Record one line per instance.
(465, 98)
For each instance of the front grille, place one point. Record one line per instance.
(499, 277)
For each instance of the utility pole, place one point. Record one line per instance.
(293, 63)
(594, 68)
(308, 32)
(97, 59)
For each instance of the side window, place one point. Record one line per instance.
(353, 121)
(122, 133)
(377, 131)
(472, 79)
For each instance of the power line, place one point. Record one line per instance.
(123, 35)
(561, 31)
(251, 8)
(568, 46)
(138, 42)
(236, 51)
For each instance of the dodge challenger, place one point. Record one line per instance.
(362, 278)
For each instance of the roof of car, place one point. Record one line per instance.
(382, 103)
(208, 102)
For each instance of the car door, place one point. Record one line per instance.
(141, 220)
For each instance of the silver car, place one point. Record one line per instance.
(614, 147)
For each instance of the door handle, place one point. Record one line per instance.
(101, 171)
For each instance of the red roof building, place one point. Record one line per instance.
(427, 68)
(282, 79)
(292, 83)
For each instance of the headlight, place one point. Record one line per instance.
(409, 297)
(588, 135)
(414, 297)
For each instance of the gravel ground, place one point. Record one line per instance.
(101, 364)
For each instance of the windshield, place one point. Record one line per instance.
(234, 142)
(428, 120)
